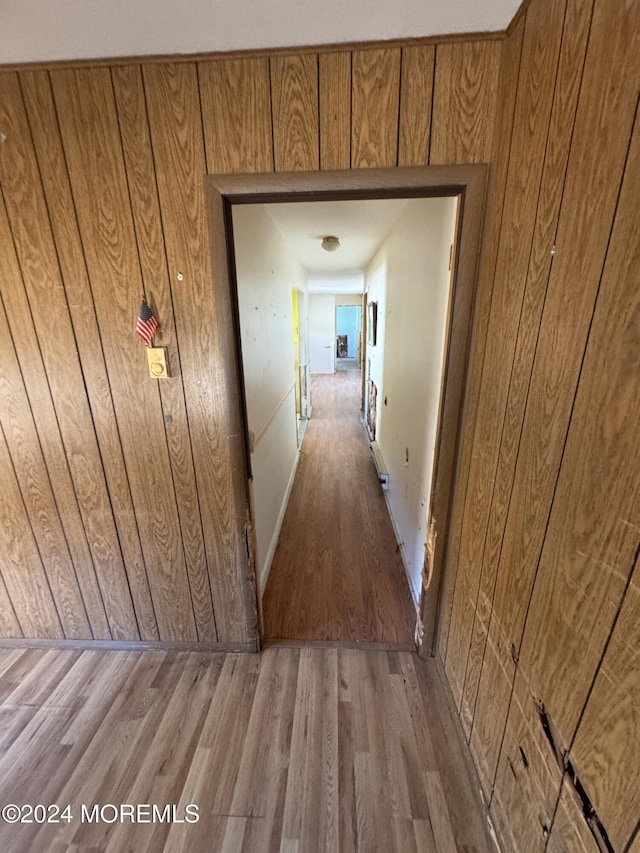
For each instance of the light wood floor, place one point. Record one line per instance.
(292, 750)
(337, 574)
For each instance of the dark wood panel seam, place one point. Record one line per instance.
(511, 369)
(175, 329)
(35, 541)
(351, 120)
(13, 610)
(433, 98)
(495, 266)
(596, 672)
(564, 181)
(319, 121)
(634, 834)
(402, 57)
(273, 132)
(75, 342)
(135, 237)
(256, 53)
(42, 453)
(106, 373)
(520, 12)
(566, 437)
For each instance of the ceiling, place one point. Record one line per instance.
(361, 226)
(41, 30)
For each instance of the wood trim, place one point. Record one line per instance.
(334, 644)
(126, 645)
(468, 182)
(152, 59)
(404, 182)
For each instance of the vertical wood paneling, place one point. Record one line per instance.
(134, 131)
(236, 114)
(529, 778)
(464, 101)
(592, 539)
(570, 829)
(294, 104)
(22, 570)
(115, 548)
(334, 80)
(507, 90)
(9, 625)
(375, 108)
(88, 121)
(33, 480)
(47, 304)
(176, 134)
(603, 124)
(599, 744)
(543, 29)
(416, 91)
(567, 85)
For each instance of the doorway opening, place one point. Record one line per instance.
(234, 199)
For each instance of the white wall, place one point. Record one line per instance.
(409, 278)
(267, 272)
(322, 332)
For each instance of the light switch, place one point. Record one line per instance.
(157, 358)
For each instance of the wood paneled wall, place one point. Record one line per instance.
(539, 624)
(115, 489)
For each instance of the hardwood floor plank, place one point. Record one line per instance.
(291, 750)
(336, 573)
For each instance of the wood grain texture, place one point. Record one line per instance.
(529, 778)
(334, 81)
(89, 126)
(507, 90)
(336, 573)
(236, 114)
(570, 832)
(176, 135)
(375, 107)
(598, 743)
(27, 452)
(464, 102)
(593, 536)
(531, 121)
(33, 610)
(313, 750)
(575, 32)
(84, 505)
(294, 105)
(583, 235)
(115, 547)
(134, 131)
(416, 90)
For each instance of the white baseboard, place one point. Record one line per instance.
(414, 593)
(264, 574)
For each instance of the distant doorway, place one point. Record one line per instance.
(348, 332)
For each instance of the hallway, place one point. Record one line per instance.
(337, 574)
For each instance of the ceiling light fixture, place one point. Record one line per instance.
(330, 244)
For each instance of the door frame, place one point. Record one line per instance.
(468, 183)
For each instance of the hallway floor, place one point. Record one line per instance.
(292, 750)
(337, 574)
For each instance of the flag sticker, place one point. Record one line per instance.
(147, 323)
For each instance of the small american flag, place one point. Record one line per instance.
(147, 323)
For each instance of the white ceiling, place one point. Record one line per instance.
(42, 30)
(361, 226)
